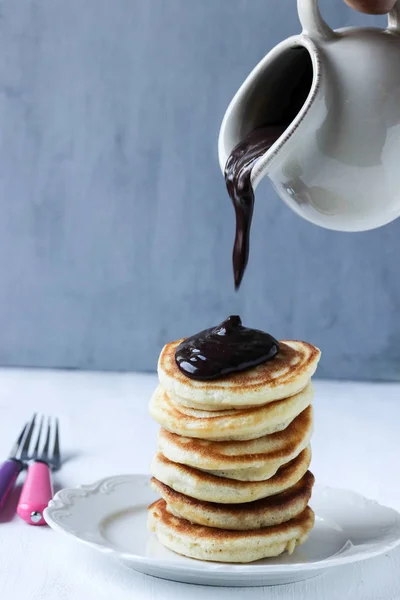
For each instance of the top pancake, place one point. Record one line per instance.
(285, 375)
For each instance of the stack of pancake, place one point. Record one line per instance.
(233, 457)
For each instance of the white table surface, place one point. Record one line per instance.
(106, 430)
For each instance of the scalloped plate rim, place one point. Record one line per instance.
(60, 502)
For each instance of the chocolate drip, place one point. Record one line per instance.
(238, 183)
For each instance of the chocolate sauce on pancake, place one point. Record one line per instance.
(237, 178)
(227, 348)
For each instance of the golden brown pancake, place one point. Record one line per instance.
(246, 424)
(249, 460)
(204, 486)
(221, 545)
(251, 515)
(285, 375)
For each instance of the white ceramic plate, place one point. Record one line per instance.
(111, 516)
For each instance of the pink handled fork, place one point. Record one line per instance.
(37, 490)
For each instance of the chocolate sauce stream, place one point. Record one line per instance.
(238, 183)
(227, 348)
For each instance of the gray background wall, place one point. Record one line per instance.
(115, 228)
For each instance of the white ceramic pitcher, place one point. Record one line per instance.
(338, 162)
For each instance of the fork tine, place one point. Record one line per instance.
(56, 450)
(28, 437)
(17, 444)
(45, 451)
(39, 435)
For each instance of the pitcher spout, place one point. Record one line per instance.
(280, 91)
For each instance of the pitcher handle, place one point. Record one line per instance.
(311, 20)
(394, 18)
(314, 25)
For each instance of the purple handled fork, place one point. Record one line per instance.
(12, 467)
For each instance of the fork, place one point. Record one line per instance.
(11, 468)
(38, 489)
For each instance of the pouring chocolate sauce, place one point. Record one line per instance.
(238, 183)
(227, 348)
(291, 92)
